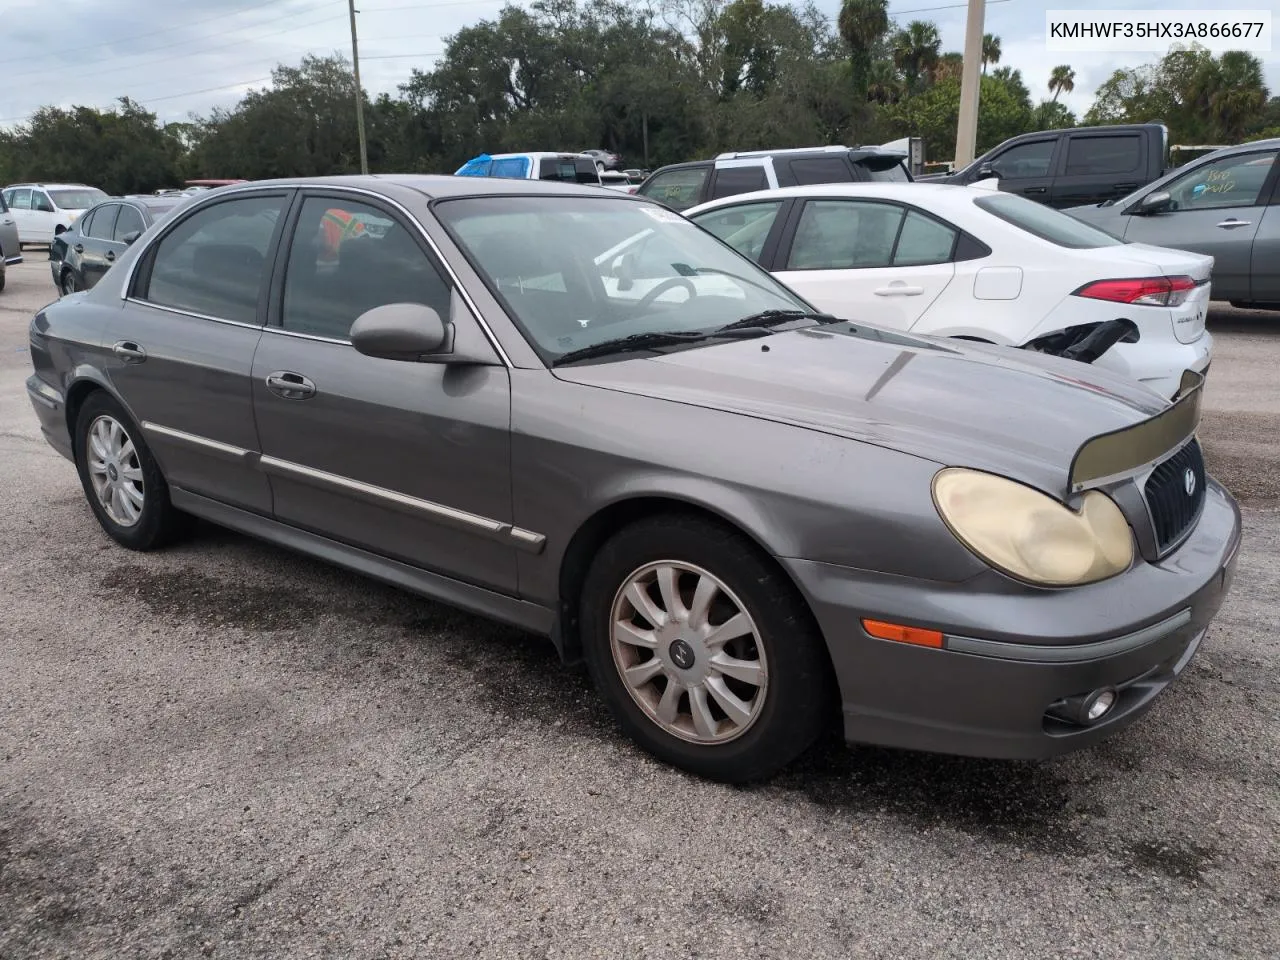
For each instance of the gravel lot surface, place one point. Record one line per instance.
(227, 750)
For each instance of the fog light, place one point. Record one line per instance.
(1086, 709)
(1099, 705)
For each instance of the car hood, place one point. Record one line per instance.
(1016, 413)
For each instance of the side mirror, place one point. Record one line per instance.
(131, 236)
(402, 331)
(986, 171)
(1156, 202)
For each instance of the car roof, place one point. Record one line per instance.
(437, 186)
(53, 186)
(918, 194)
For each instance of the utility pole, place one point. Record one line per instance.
(970, 85)
(355, 62)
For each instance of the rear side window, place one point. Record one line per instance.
(103, 222)
(21, 200)
(1099, 156)
(214, 262)
(1045, 222)
(923, 241)
(821, 170)
(678, 189)
(129, 221)
(731, 181)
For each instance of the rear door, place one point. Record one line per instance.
(94, 241)
(183, 345)
(1098, 167)
(1027, 168)
(1265, 261)
(1216, 208)
(20, 207)
(867, 261)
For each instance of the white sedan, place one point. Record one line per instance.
(976, 263)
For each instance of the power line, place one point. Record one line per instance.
(404, 56)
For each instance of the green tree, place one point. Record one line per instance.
(990, 50)
(916, 49)
(862, 25)
(1062, 79)
(934, 114)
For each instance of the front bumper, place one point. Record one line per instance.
(1012, 651)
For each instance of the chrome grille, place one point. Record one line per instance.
(1173, 510)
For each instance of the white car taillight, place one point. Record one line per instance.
(1147, 291)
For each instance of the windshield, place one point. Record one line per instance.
(577, 271)
(1045, 222)
(81, 199)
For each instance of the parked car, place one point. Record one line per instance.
(565, 167)
(1064, 168)
(738, 512)
(616, 180)
(1225, 204)
(604, 159)
(10, 248)
(976, 263)
(43, 210)
(78, 257)
(684, 185)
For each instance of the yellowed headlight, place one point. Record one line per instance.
(1031, 536)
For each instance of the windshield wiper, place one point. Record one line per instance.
(774, 318)
(636, 341)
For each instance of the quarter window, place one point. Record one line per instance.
(845, 234)
(730, 181)
(347, 258)
(215, 261)
(821, 170)
(103, 222)
(923, 241)
(1234, 181)
(745, 227)
(129, 221)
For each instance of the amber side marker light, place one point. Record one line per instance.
(903, 634)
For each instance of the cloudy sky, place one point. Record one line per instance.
(178, 61)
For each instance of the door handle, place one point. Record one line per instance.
(78, 248)
(1231, 224)
(128, 351)
(898, 289)
(1124, 186)
(290, 386)
(111, 255)
(1035, 190)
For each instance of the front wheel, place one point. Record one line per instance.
(69, 283)
(703, 650)
(121, 479)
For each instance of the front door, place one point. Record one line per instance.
(409, 460)
(1027, 168)
(20, 206)
(1216, 209)
(183, 344)
(867, 261)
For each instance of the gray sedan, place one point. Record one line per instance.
(1225, 204)
(577, 412)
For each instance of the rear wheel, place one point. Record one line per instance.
(121, 479)
(703, 650)
(69, 283)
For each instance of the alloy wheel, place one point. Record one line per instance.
(688, 652)
(115, 471)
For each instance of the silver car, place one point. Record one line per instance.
(1225, 204)
(577, 412)
(10, 247)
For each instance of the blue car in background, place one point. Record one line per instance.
(565, 167)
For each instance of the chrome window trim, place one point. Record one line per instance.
(190, 313)
(250, 189)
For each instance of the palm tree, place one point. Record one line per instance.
(950, 66)
(915, 52)
(861, 24)
(990, 50)
(1062, 79)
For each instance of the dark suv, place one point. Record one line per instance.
(684, 185)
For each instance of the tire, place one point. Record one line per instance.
(778, 716)
(69, 283)
(2, 273)
(142, 518)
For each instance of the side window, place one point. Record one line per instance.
(923, 241)
(1234, 181)
(745, 227)
(129, 221)
(1026, 160)
(21, 199)
(1101, 156)
(511, 167)
(103, 222)
(731, 181)
(4, 202)
(214, 261)
(678, 189)
(845, 234)
(40, 201)
(348, 257)
(821, 170)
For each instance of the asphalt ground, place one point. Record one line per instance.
(227, 750)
